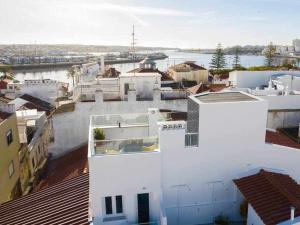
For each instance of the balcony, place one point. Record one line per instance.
(123, 146)
(122, 134)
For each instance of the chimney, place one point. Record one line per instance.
(292, 213)
(102, 65)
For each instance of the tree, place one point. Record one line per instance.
(5, 72)
(236, 59)
(269, 53)
(298, 61)
(72, 74)
(218, 58)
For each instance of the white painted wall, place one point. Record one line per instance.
(48, 91)
(283, 101)
(253, 218)
(253, 79)
(144, 83)
(229, 143)
(126, 175)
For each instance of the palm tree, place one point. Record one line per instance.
(6, 72)
(72, 74)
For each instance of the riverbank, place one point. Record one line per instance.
(64, 65)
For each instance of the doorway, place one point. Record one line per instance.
(143, 208)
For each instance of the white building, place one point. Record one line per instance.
(296, 44)
(144, 80)
(150, 169)
(280, 88)
(35, 131)
(188, 71)
(45, 89)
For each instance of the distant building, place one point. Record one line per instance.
(296, 44)
(143, 79)
(188, 71)
(51, 89)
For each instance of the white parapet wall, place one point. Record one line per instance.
(253, 79)
(71, 128)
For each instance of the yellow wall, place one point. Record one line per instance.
(8, 153)
(198, 76)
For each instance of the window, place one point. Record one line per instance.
(33, 163)
(119, 204)
(9, 137)
(126, 87)
(11, 168)
(113, 205)
(108, 205)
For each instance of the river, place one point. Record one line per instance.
(175, 57)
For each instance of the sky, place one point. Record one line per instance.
(165, 23)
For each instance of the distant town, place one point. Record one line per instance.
(185, 145)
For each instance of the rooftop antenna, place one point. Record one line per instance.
(133, 48)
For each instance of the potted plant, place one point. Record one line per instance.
(99, 134)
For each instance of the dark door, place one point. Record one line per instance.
(143, 208)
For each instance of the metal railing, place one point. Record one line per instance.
(120, 120)
(148, 223)
(123, 146)
(191, 139)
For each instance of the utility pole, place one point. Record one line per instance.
(133, 47)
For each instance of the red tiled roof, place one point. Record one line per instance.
(199, 88)
(280, 139)
(70, 165)
(194, 66)
(3, 84)
(5, 99)
(271, 195)
(64, 203)
(224, 76)
(36, 103)
(187, 66)
(4, 116)
(206, 87)
(144, 70)
(112, 72)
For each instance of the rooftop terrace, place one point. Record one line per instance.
(225, 97)
(126, 133)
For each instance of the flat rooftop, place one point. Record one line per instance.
(225, 97)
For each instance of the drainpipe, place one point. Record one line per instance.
(292, 213)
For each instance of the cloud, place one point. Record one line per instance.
(256, 18)
(136, 10)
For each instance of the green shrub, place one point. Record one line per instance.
(99, 134)
(221, 220)
(244, 209)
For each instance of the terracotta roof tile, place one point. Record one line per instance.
(200, 88)
(38, 104)
(4, 116)
(70, 165)
(280, 139)
(144, 70)
(64, 203)
(271, 195)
